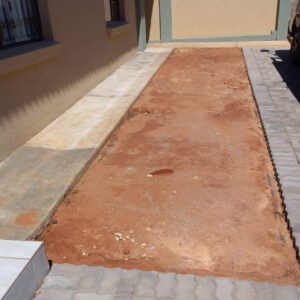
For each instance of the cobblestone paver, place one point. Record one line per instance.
(69, 282)
(280, 114)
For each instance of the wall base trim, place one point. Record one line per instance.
(240, 38)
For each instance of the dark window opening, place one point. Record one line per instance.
(19, 22)
(113, 11)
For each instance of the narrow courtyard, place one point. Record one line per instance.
(184, 185)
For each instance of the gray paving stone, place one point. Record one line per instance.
(62, 269)
(224, 289)
(147, 284)
(90, 278)
(286, 293)
(166, 284)
(290, 195)
(147, 298)
(205, 288)
(92, 296)
(53, 294)
(244, 290)
(264, 291)
(186, 286)
(110, 280)
(66, 281)
(297, 240)
(127, 283)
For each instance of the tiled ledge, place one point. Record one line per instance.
(23, 266)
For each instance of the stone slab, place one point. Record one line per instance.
(23, 266)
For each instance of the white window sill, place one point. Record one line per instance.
(25, 56)
(115, 29)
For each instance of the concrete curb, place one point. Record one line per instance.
(251, 44)
(37, 176)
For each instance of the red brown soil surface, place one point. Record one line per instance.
(186, 181)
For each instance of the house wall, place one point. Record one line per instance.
(152, 20)
(40, 81)
(194, 18)
(217, 20)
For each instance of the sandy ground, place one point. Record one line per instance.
(184, 185)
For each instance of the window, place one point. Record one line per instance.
(113, 11)
(19, 22)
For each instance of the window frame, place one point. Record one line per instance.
(38, 25)
(121, 18)
(115, 11)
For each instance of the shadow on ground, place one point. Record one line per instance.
(289, 72)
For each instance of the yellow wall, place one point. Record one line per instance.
(200, 18)
(32, 95)
(152, 19)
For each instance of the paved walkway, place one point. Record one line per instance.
(37, 176)
(275, 83)
(69, 282)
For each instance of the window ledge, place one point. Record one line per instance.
(22, 57)
(116, 28)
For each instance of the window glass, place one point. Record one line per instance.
(19, 22)
(107, 10)
(115, 10)
(112, 10)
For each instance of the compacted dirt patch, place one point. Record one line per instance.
(184, 185)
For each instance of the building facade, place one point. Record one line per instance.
(52, 52)
(216, 20)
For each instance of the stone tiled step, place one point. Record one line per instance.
(23, 266)
(69, 282)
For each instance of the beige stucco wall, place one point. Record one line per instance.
(33, 95)
(198, 18)
(152, 20)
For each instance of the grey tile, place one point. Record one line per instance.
(10, 270)
(24, 287)
(53, 294)
(40, 265)
(18, 249)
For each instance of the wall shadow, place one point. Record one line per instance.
(148, 15)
